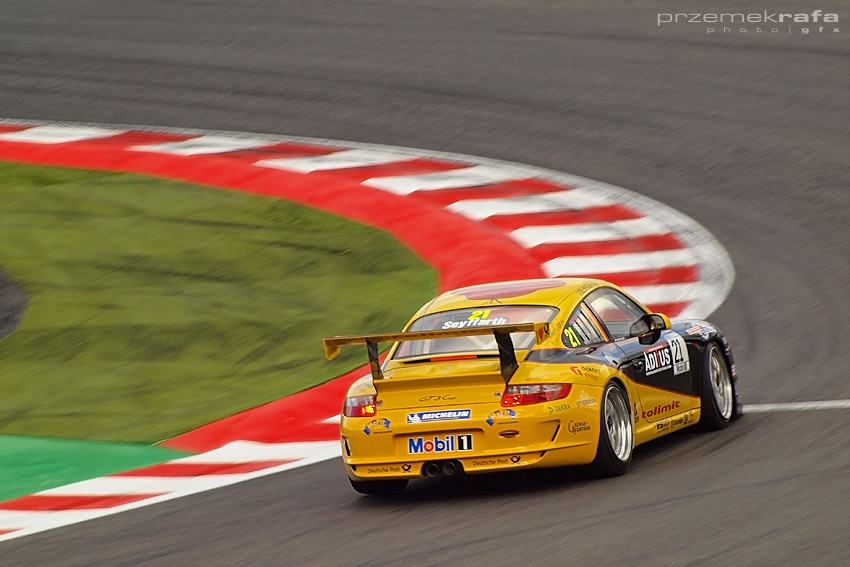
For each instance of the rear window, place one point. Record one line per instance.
(468, 318)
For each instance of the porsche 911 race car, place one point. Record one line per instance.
(525, 374)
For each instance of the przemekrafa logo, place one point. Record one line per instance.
(440, 415)
(761, 22)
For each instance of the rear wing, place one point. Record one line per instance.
(502, 333)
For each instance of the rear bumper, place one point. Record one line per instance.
(581, 454)
(491, 439)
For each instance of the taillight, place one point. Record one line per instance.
(524, 394)
(360, 406)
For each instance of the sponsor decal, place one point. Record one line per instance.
(586, 287)
(541, 334)
(446, 444)
(576, 427)
(475, 323)
(555, 328)
(440, 415)
(657, 359)
(445, 398)
(585, 400)
(558, 408)
(386, 469)
(495, 461)
(679, 350)
(376, 424)
(676, 422)
(673, 354)
(697, 331)
(501, 414)
(659, 409)
(586, 371)
(405, 467)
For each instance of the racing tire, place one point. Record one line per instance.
(379, 487)
(717, 392)
(616, 432)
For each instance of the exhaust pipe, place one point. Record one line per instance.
(431, 469)
(449, 468)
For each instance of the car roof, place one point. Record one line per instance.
(544, 291)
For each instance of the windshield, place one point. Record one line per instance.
(466, 318)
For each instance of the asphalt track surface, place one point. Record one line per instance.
(745, 132)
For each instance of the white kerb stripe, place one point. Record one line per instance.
(58, 134)
(530, 236)
(569, 200)
(617, 263)
(128, 485)
(451, 179)
(337, 160)
(11, 519)
(252, 451)
(203, 145)
(665, 293)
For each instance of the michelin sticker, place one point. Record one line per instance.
(442, 415)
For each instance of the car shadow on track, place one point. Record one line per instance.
(678, 446)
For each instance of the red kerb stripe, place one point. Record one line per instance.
(5, 129)
(546, 252)
(202, 469)
(407, 165)
(132, 139)
(670, 309)
(279, 151)
(607, 213)
(506, 189)
(672, 275)
(46, 502)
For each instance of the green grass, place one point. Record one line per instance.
(33, 464)
(158, 306)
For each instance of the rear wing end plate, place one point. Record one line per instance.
(502, 334)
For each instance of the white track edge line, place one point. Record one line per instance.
(795, 406)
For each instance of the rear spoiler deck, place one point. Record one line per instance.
(502, 333)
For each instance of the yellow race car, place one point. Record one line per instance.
(526, 374)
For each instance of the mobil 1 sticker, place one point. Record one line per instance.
(678, 352)
(439, 444)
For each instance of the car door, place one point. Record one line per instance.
(660, 369)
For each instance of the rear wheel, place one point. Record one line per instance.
(717, 395)
(378, 487)
(616, 432)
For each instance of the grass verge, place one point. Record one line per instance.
(158, 306)
(32, 464)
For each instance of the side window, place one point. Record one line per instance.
(582, 330)
(616, 311)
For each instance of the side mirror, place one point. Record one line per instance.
(648, 328)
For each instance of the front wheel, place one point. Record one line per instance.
(717, 394)
(379, 487)
(616, 432)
